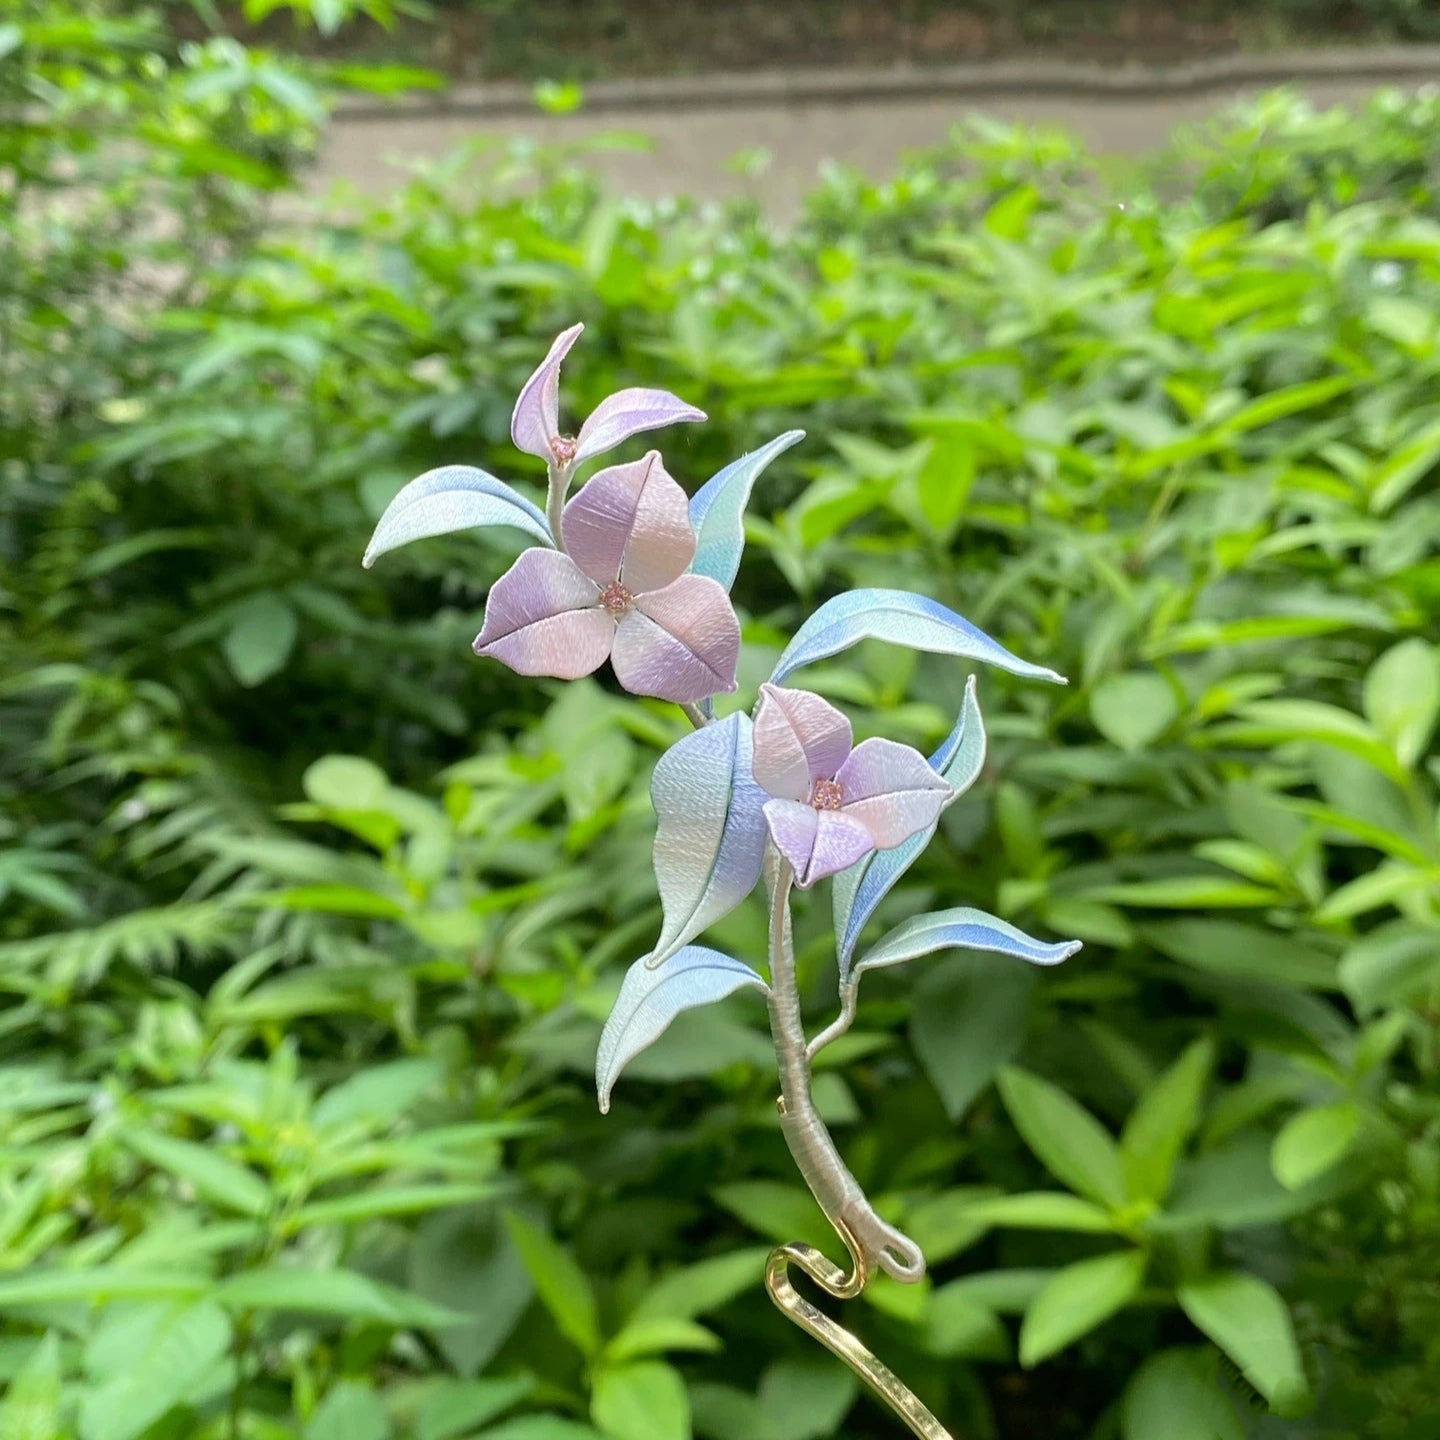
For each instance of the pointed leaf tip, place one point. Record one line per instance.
(650, 999)
(901, 617)
(717, 510)
(450, 498)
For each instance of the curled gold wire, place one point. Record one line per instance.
(833, 1336)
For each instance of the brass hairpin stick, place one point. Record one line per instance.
(783, 792)
(833, 1336)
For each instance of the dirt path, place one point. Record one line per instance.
(864, 119)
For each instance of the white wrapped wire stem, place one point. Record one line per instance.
(880, 1245)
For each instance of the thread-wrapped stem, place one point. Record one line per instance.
(559, 488)
(833, 1186)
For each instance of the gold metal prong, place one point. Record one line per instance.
(833, 1336)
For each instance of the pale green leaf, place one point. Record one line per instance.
(703, 1287)
(659, 1334)
(1076, 1300)
(1313, 1142)
(144, 1360)
(1248, 1320)
(1133, 711)
(342, 1293)
(31, 1408)
(1043, 1210)
(805, 1397)
(345, 782)
(640, 1400)
(215, 1177)
(351, 1411)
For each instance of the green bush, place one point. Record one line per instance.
(310, 919)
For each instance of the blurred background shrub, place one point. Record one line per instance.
(308, 920)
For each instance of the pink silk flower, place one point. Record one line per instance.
(618, 591)
(834, 804)
(535, 424)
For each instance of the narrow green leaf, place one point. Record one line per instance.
(1248, 1320)
(563, 1287)
(1162, 1121)
(658, 1335)
(1248, 952)
(343, 1293)
(1076, 1149)
(640, 1400)
(31, 1409)
(387, 1200)
(703, 1287)
(1076, 1300)
(1404, 468)
(214, 1176)
(377, 1094)
(1043, 1210)
(778, 1211)
(1313, 1142)
(98, 1285)
(1176, 1395)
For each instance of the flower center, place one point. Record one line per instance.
(563, 447)
(826, 795)
(615, 599)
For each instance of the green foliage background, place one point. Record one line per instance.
(308, 920)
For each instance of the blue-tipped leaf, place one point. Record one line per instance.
(710, 831)
(960, 929)
(859, 890)
(453, 497)
(650, 999)
(718, 510)
(903, 618)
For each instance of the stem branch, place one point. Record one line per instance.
(838, 1026)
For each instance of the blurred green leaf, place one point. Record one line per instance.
(562, 1286)
(145, 1359)
(1313, 1141)
(1163, 1120)
(969, 1018)
(342, 1293)
(1076, 1300)
(351, 1411)
(1132, 711)
(640, 1400)
(1248, 1320)
(1068, 1140)
(1176, 1395)
(1402, 697)
(31, 1407)
(213, 1175)
(260, 638)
